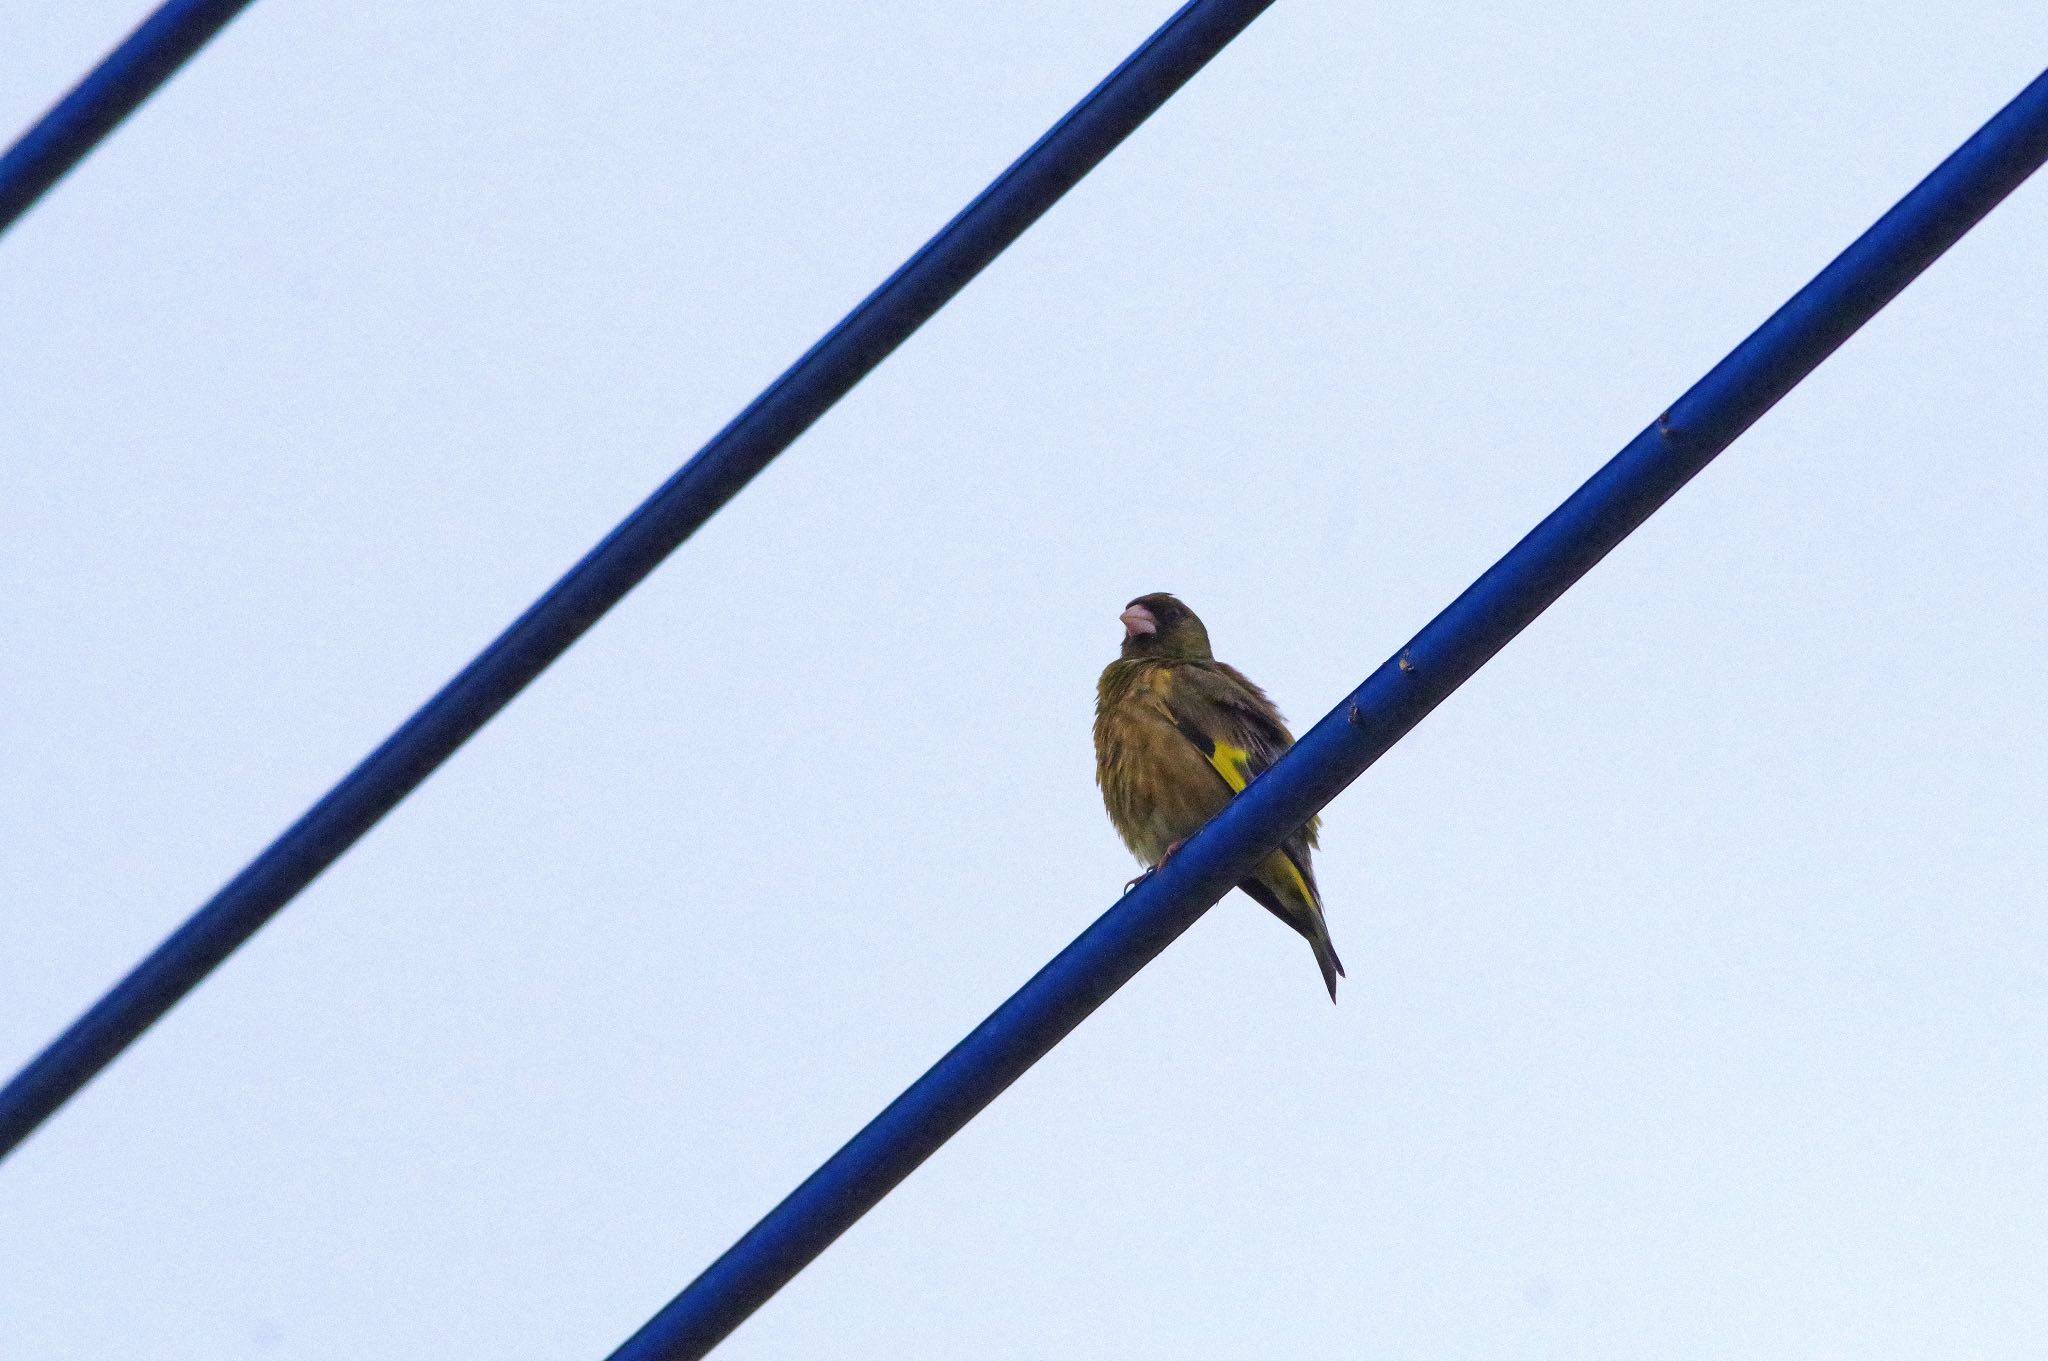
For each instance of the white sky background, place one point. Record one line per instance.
(1698, 971)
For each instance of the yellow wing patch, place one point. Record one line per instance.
(1234, 764)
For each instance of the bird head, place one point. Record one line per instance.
(1158, 625)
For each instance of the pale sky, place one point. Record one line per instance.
(1698, 986)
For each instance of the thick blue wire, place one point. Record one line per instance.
(110, 92)
(1379, 713)
(887, 317)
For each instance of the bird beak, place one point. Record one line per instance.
(1136, 620)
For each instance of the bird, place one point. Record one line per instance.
(1178, 735)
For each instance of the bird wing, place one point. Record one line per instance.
(1234, 726)
(1238, 731)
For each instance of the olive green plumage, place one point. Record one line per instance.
(1177, 735)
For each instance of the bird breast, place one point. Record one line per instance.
(1157, 788)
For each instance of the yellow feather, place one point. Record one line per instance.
(1233, 764)
(1295, 882)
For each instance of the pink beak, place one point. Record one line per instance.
(1136, 620)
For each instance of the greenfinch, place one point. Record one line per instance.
(1178, 735)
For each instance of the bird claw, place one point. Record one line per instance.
(1155, 869)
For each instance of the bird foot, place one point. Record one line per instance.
(1155, 868)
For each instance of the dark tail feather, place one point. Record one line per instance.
(1309, 924)
(1327, 961)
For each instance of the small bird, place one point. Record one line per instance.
(1178, 735)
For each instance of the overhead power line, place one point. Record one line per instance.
(109, 92)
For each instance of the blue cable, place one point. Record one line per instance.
(110, 92)
(884, 320)
(1358, 731)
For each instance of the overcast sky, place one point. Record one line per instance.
(1698, 985)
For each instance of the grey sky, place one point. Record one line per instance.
(1699, 978)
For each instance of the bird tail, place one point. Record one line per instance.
(1326, 956)
(1287, 891)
